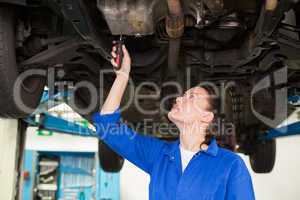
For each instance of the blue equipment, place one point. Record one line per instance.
(79, 175)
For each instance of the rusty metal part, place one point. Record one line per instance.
(175, 19)
(129, 17)
(271, 4)
(174, 7)
(175, 26)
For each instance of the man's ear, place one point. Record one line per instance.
(208, 116)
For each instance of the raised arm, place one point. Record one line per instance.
(117, 90)
(141, 150)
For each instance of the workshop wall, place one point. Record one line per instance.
(8, 154)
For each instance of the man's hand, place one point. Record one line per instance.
(124, 71)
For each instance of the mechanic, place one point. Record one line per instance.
(187, 169)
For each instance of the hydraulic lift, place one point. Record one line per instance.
(42, 119)
(49, 122)
(66, 175)
(288, 130)
(67, 168)
(52, 123)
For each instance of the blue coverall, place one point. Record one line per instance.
(214, 174)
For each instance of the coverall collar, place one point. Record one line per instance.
(212, 149)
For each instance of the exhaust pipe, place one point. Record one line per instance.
(174, 28)
(175, 19)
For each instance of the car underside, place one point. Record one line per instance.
(233, 44)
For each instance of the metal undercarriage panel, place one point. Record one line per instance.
(129, 17)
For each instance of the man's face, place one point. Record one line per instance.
(191, 107)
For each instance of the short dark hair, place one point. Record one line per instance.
(213, 98)
(214, 101)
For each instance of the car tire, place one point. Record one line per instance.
(31, 88)
(262, 158)
(109, 160)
